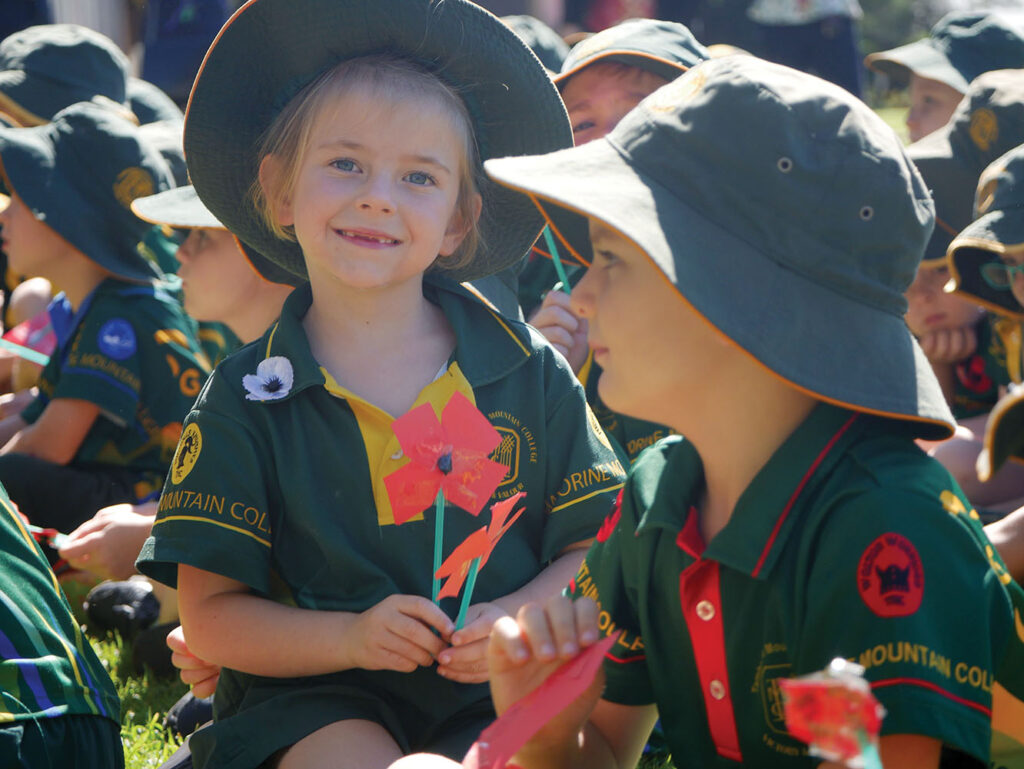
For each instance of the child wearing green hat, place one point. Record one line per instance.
(797, 521)
(112, 397)
(350, 159)
(939, 68)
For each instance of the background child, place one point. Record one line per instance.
(366, 180)
(939, 68)
(819, 529)
(108, 415)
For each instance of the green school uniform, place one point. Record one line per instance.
(995, 363)
(287, 496)
(50, 679)
(130, 349)
(850, 542)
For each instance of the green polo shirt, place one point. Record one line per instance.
(47, 667)
(849, 542)
(131, 350)
(287, 495)
(995, 363)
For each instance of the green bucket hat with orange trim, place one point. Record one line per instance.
(512, 103)
(80, 173)
(987, 123)
(796, 241)
(975, 254)
(1004, 434)
(46, 68)
(181, 208)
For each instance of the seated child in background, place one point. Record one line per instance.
(59, 707)
(367, 188)
(974, 354)
(940, 67)
(817, 530)
(603, 78)
(127, 367)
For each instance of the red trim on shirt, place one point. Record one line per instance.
(700, 582)
(800, 487)
(933, 687)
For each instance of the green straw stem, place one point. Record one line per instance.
(868, 751)
(25, 352)
(438, 544)
(549, 239)
(467, 593)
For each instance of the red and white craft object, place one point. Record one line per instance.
(836, 714)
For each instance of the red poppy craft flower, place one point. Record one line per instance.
(611, 521)
(451, 456)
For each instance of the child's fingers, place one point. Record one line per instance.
(586, 621)
(427, 612)
(558, 338)
(194, 676)
(533, 621)
(206, 687)
(79, 549)
(508, 647)
(561, 615)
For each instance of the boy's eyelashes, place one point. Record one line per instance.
(606, 258)
(583, 125)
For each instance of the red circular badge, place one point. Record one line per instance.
(890, 576)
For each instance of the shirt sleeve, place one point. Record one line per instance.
(214, 513)
(900, 585)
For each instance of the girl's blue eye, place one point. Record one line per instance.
(421, 178)
(344, 164)
(583, 125)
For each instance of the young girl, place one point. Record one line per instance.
(361, 137)
(797, 521)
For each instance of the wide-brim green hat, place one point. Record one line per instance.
(547, 44)
(270, 49)
(181, 208)
(80, 174)
(1004, 434)
(998, 230)
(149, 103)
(961, 46)
(796, 241)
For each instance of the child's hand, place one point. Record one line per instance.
(566, 331)
(466, 660)
(949, 345)
(397, 634)
(523, 652)
(109, 542)
(201, 675)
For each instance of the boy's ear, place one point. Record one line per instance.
(458, 227)
(272, 175)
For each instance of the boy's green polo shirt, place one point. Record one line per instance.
(47, 667)
(287, 496)
(995, 363)
(849, 542)
(131, 350)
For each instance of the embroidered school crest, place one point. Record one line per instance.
(890, 576)
(132, 183)
(984, 128)
(679, 91)
(185, 457)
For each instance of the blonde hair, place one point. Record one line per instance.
(288, 136)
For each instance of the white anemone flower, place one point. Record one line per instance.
(272, 380)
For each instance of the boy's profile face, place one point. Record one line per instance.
(33, 249)
(599, 96)
(217, 279)
(931, 309)
(932, 104)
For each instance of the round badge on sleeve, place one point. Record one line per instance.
(185, 457)
(890, 576)
(117, 339)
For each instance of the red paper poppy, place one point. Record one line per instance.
(611, 521)
(452, 456)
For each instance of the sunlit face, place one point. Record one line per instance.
(930, 309)
(653, 349)
(932, 104)
(374, 201)
(599, 96)
(217, 279)
(33, 248)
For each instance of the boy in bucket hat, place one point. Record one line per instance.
(774, 271)
(939, 68)
(112, 397)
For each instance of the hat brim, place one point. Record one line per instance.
(514, 107)
(982, 241)
(920, 58)
(952, 182)
(1004, 435)
(31, 167)
(33, 101)
(772, 313)
(669, 70)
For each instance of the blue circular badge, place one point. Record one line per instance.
(117, 339)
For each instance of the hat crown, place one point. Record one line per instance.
(848, 209)
(979, 42)
(69, 54)
(1001, 187)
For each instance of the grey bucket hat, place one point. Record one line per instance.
(512, 103)
(796, 241)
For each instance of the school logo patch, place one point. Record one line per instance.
(185, 457)
(670, 97)
(117, 339)
(132, 183)
(984, 128)
(890, 576)
(518, 446)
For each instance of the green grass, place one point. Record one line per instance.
(896, 117)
